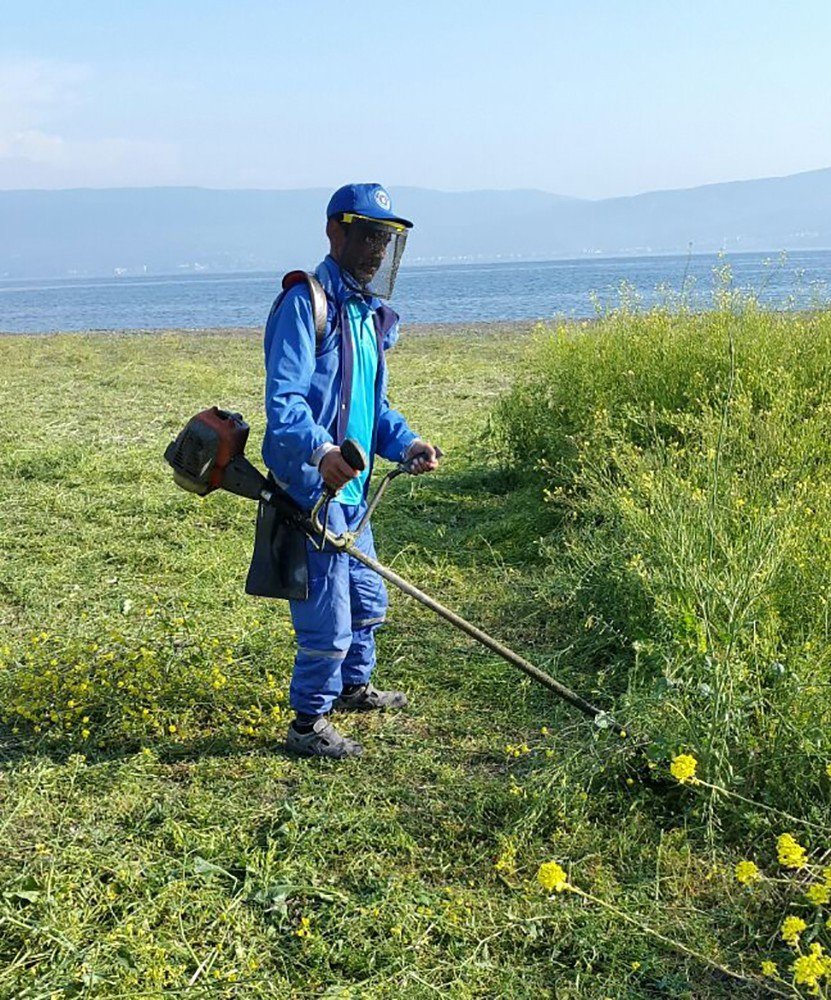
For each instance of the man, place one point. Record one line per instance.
(321, 390)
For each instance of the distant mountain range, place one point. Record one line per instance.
(167, 230)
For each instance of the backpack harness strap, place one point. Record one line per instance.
(320, 307)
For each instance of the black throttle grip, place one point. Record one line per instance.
(353, 454)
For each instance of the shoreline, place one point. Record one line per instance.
(483, 327)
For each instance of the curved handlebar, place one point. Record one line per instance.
(354, 455)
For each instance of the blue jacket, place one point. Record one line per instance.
(308, 385)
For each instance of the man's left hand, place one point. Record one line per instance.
(422, 457)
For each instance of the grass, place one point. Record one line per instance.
(689, 468)
(154, 839)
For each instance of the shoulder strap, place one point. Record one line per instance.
(320, 307)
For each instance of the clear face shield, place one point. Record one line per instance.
(372, 252)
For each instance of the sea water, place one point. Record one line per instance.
(464, 293)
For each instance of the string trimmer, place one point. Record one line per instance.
(209, 454)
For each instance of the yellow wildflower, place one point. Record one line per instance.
(769, 969)
(304, 930)
(792, 927)
(828, 769)
(791, 854)
(747, 872)
(506, 862)
(809, 969)
(683, 768)
(819, 894)
(552, 877)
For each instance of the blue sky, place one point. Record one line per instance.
(591, 99)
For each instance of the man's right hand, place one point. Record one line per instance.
(335, 470)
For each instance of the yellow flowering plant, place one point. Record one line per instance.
(791, 929)
(819, 894)
(810, 969)
(506, 862)
(683, 768)
(747, 872)
(552, 877)
(151, 676)
(791, 854)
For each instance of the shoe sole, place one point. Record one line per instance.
(369, 708)
(303, 752)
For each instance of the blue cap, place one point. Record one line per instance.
(370, 200)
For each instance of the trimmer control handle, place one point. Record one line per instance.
(354, 455)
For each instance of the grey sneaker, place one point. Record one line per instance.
(368, 698)
(323, 741)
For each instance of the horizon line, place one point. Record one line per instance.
(413, 187)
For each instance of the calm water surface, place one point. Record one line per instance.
(451, 294)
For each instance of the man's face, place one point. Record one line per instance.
(369, 250)
(362, 249)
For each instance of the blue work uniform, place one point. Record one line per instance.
(320, 393)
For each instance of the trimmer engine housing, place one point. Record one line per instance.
(209, 454)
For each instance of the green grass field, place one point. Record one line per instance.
(654, 537)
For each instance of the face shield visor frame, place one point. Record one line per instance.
(372, 252)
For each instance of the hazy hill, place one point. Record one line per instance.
(89, 231)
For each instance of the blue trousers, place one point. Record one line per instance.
(335, 626)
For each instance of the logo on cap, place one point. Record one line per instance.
(383, 199)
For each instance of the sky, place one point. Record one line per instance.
(591, 98)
